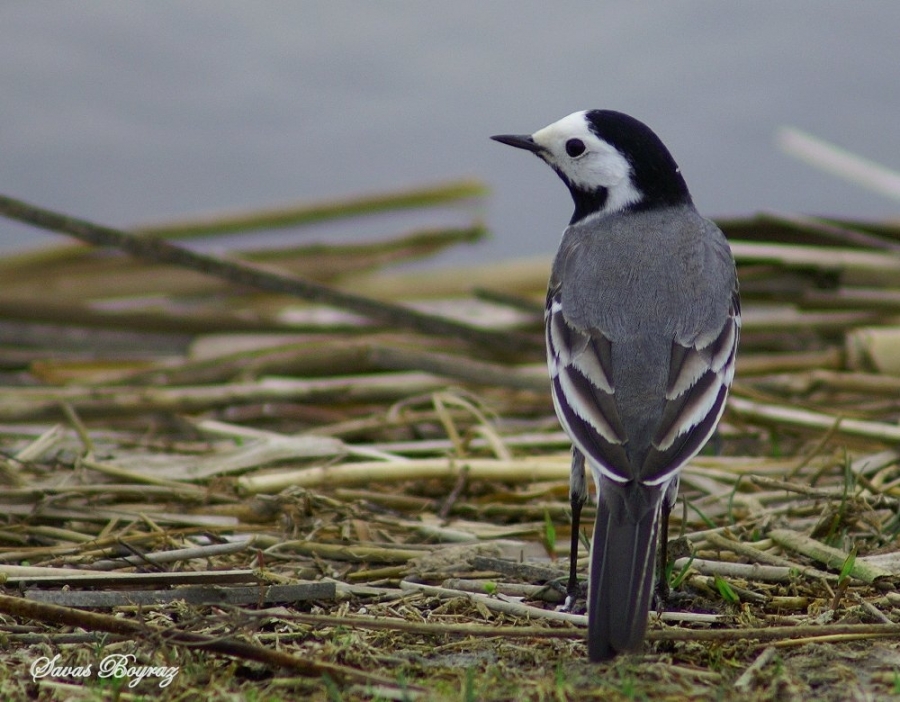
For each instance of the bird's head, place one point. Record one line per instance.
(610, 162)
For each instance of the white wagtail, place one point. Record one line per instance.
(642, 326)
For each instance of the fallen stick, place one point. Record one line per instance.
(21, 576)
(294, 215)
(27, 403)
(382, 472)
(808, 419)
(672, 633)
(831, 557)
(172, 556)
(253, 276)
(197, 595)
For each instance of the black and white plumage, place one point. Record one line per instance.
(642, 327)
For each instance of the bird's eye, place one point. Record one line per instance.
(574, 147)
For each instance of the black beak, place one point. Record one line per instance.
(520, 141)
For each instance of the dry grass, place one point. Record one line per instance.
(281, 500)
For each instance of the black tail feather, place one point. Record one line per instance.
(621, 574)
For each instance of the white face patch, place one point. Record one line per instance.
(601, 165)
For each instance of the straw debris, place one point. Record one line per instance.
(295, 473)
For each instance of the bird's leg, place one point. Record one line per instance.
(662, 579)
(578, 495)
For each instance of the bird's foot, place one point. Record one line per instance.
(576, 599)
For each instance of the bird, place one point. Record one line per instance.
(642, 324)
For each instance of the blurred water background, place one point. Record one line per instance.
(127, 113)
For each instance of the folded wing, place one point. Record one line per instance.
(699, 375)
